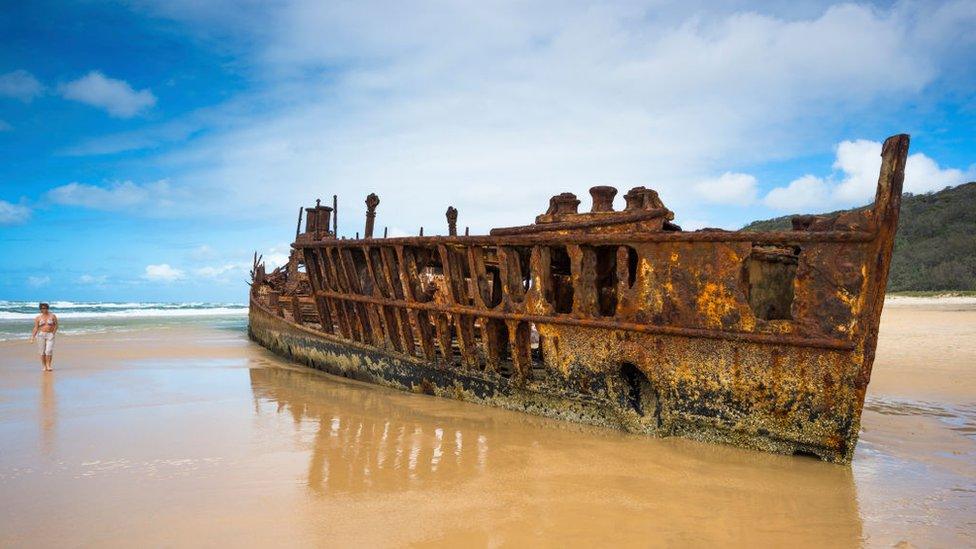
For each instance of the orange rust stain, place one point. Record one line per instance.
(714, 303)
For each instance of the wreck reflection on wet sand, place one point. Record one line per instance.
(470, 475)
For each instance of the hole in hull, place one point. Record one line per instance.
(769, 274)
(562, 280)
(606, 279)
(637, 392)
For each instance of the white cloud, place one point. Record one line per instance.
(859, 162)
(93, 280)
(496, 107)
(202, 252)
(922, 175)
(21, 85)
(737, 189)
(855, 179)
(277, 256)
(807, 193)
(115, 96)
(38, 281)
(172, 131)
(163, 273)
(497, 117)
(694, 224)
(13, 214)
(218, 271)
(117, 195)
(396, 232)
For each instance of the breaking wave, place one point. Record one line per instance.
(86, 317)
(20, 310)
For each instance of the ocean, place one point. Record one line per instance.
(83, 317)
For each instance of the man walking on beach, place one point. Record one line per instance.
(45, 326)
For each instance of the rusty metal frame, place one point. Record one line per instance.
(769, 237)
(567, 320)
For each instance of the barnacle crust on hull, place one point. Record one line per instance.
(764, 340)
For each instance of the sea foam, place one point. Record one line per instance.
(21, 310)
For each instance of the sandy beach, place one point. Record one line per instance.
(197, 437)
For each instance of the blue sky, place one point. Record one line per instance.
(147, 148)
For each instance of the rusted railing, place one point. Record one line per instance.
(479, 301)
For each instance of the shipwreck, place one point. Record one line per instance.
(763, 340)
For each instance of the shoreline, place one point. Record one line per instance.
(934, 300)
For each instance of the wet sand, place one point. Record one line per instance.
(199, 437)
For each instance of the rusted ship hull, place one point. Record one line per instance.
(603, 399)
(620, 319)
(365, 363)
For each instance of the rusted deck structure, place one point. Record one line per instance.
(618, 318)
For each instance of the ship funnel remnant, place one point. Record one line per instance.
(317, 221)
(611, 317)
(602, 198)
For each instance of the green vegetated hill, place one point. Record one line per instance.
(935, 248)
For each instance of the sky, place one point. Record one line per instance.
(147, 148)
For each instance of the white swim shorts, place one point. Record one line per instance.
(45, 343)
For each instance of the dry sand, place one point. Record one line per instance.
(180, 437)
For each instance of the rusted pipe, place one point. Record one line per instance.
(298, 229)
(452, 215)
(372, 201)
